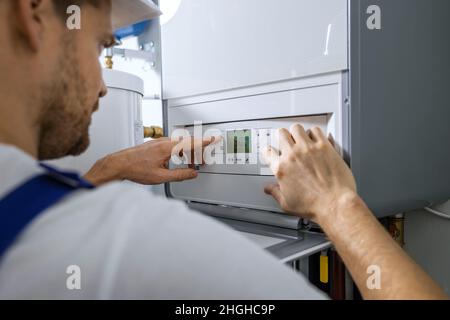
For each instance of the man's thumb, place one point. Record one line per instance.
(180, 174)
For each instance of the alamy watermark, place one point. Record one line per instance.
(374, 19)
(73, 21)
(374, 280)
(73, 281)
(240, 146)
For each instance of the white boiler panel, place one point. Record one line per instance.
(216, 45)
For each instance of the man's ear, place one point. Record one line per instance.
(29, 20)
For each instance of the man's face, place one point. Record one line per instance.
(72, 93)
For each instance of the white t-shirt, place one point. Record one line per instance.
(131, 244)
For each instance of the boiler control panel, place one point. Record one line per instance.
(240, 148)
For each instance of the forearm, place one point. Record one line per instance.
(362, 242)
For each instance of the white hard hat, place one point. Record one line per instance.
(127, 12)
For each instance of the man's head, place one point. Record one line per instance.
(54, 71)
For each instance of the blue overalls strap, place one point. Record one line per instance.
(25, 203)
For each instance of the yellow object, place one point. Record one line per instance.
(153, 132)
(324, 268)
(109, 62)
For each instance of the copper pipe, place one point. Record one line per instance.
(153, 132)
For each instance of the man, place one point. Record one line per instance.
(124, 242)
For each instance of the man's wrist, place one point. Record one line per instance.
(342, 202)
(104, 170)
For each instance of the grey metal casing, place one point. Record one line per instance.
(399, 104)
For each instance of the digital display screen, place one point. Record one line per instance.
(239, 141)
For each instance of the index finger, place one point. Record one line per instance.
(190, 144)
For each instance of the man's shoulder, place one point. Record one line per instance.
(119, 231)
(96, 219)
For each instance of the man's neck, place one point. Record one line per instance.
(17, 128)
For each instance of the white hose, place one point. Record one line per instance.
(438, 213)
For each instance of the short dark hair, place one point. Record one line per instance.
(61, 6)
